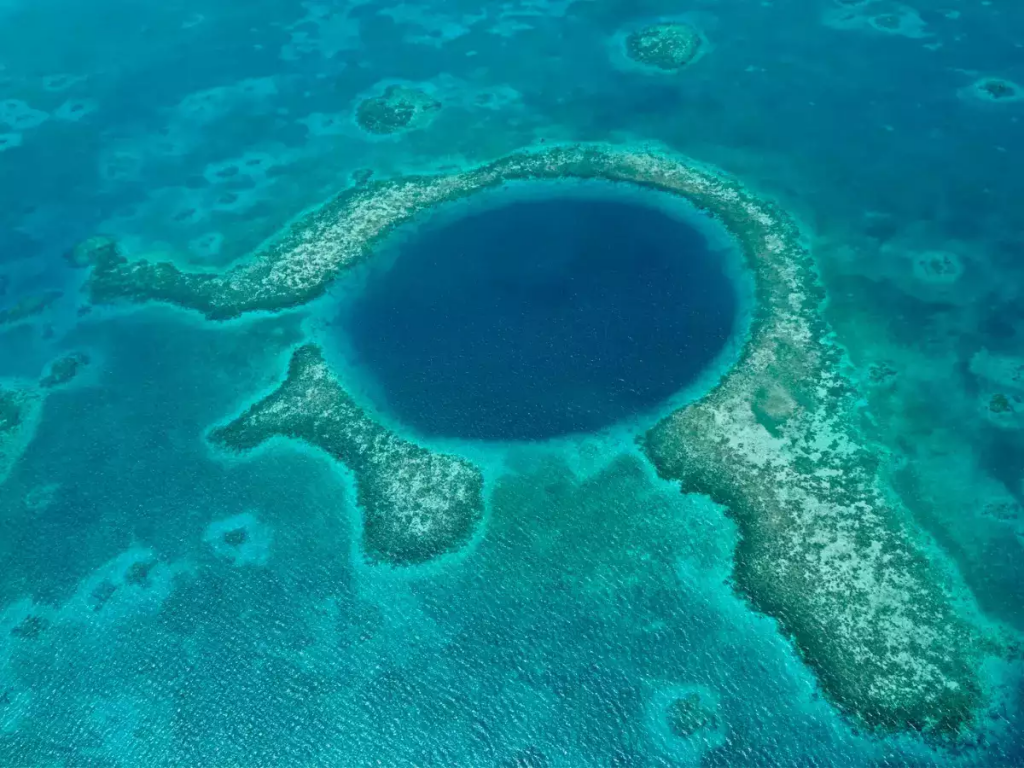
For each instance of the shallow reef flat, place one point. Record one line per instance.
(416, 504)
(826, 549)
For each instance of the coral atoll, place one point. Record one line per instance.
(416, 504)
(669, 46)
(399, 108)
(825, 548)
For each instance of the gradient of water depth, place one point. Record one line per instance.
(541, 317)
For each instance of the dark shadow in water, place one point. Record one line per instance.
(540, 318)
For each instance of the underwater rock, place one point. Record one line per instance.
(64, 369)
(684, 721)
(94, 251)
(416, 504)
(361, 176)
(866, 16)
(669, 46)
(30, 306)
(24, 620)
(133, 583)
(236, 537)
(1002, 409)
(690, 713)
(881, 373)
(19, 411)
(30, 628)
(938, 267)
(240, 539)
(137, 574)
(1001, 388)
(399, 108)
(826, 548)
(996, 89)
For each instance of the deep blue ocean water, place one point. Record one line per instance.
(594, 588)
(541, 318)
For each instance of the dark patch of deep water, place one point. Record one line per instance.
(541, 317)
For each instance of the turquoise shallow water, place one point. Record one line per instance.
(133, 634)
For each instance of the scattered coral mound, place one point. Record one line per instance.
(19, 410)
(826, 548)
(399, 108)
(997, 89)
(685, 722)
(690, 713)
(240, 540)
(64, 369)
(21, 403)
(416, 504)
(669, 46)
(27, 307)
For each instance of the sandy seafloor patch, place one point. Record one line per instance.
(197, 129)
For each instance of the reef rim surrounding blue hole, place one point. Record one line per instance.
(560, 310)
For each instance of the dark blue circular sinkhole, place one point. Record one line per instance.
(540, 317)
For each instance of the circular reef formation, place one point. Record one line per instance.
(525, 317)
(669, 46)
(997, 89)
(826, 547)
(398, 108)
(690, 713)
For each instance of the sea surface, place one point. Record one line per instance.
(594, 591)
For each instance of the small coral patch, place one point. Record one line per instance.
(399, 108)
(669, 46)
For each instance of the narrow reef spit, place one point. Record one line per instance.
(416, 504)
(826, 548)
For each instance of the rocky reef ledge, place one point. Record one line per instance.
(825, 547)
(416, 504)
